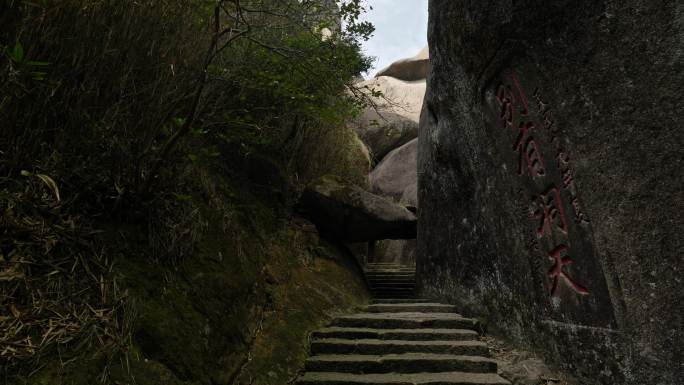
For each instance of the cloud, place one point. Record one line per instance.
(400, 30)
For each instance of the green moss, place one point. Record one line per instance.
(254, 284)
(301, 304)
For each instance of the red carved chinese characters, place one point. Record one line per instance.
(552, 225)
(556, 272)
(569, 183)
(542, 105)
(567, 178)
(505, 97)
(550, 213)
(521, 93)
(528, 152)
(579, 214)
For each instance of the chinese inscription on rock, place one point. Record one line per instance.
(573, 285)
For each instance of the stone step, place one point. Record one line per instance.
(392, 288)
(390, 278)
(392, 291)
(391, 281)
(397, 296)
(410, 308)
(388, 266)
(392, 284)
(373, 346)
(400, 363)
(397, 334)
(381, 295)
(399, 300)
(411, 265)
(380, 265)
(396, 278)
(445, 378)
(387, 263)
(406, 321)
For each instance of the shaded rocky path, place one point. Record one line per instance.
(388, 280)
(399, 340)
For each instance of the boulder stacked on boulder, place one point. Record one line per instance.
(393, 120)
(390, 131)
(349, 213)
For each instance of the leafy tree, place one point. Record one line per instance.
(269, 61)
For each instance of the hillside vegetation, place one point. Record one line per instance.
(150, 155)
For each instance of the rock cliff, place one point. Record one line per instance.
(550, 178)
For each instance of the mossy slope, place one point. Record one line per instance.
(237, 310)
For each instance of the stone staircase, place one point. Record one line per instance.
(399, 340)
(388, 280)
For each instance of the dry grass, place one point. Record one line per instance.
(57, 290)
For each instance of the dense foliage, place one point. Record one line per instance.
(112, 112)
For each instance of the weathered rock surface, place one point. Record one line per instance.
(351, 214)
(397, 172)
(413, 68)
(550, 178)
(522, 367)
(410, 195)
(529, 371)
(395, 120)
(396, 176)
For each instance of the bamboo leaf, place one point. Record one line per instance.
(18, 53)
(51, 184)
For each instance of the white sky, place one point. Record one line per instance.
(400, 30)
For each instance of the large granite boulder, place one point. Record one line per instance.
(394, 120)
(396, 173)
(350, 214)
(550, 179)
(396, 177)
(410, 69)
(410, 195)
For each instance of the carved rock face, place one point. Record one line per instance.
(550, 178)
